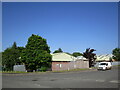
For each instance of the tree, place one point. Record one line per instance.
(0, 61)
(0, 58)
(68, 53)
(75, 54)
(14, 46)
(88, 54)
(58, 51)
(116, 54)
(36, 53)
(10, 56)
(20, 49)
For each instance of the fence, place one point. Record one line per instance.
(64, 65)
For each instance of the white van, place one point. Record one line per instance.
(104, 66)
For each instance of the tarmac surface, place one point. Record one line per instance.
(74, 79)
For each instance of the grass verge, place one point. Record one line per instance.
(81, 69)
(13, 72)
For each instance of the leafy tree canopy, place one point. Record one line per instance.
(116, 54)
(36, 53)
(14, 46)
(68, 53)
(90, 56)
(75, 54)
(0, 58)
(10, 57)
(58, 51)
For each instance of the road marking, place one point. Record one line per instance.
(114, 81)
(100, 80)
(38, 84)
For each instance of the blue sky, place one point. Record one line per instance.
(72, 26)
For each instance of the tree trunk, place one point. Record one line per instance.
(90, 63)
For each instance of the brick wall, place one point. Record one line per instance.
(58, 66)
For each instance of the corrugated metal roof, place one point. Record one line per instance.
(62, 57)
(67, 57)
(81, 58)
(104, 57)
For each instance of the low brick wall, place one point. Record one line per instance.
(65, 65)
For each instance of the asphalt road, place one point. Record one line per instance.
(77, 79)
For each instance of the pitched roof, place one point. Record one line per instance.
(103, 57)
(62, 57)
(81, 58)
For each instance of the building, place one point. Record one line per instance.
(105, 57)
(64, 61)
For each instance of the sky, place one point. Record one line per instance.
(71, 26)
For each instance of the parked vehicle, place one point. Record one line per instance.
(104, 66)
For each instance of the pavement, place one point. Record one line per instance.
(73, 79)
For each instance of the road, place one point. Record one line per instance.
(76, 79)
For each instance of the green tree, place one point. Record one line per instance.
(116, 54)
(10, 56)
(88, 54)
(36, 53)
(58, 51)
(20, 49)
(68, 53)
(75, 54)
(14, 46)
(0, 61)
(0, 58)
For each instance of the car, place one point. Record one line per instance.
(104, 66)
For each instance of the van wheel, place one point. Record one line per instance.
(98, 69)
(106, 68)
(110, 68)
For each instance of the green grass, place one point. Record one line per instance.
(13, 72)
(44, 72)
(81, 69)
(115, 65)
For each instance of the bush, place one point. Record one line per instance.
(43, 69)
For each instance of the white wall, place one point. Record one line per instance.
(19, 68)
